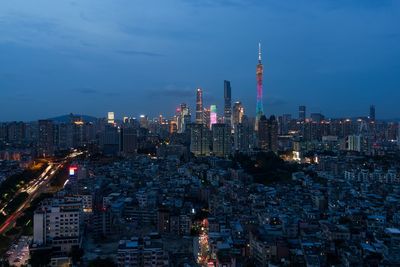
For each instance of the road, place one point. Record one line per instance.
(204, 249)
(35, 188)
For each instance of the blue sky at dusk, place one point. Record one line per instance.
(132, 57)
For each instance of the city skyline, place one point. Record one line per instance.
(96, 61)
(199, 133)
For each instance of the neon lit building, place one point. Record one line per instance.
(213, 115)
(259, 76)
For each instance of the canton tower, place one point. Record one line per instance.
(259, 76)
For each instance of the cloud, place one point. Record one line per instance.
(139, 53)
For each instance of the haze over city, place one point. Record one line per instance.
(335, 57)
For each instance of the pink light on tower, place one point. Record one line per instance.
(213, 114)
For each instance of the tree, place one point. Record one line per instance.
(76, 254)
(107, 262)
(40, 257)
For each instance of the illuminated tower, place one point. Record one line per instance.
(213, 115)
(259, 75)
(227, 103)
(199, 106)
(110, 117)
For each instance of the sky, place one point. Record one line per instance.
(136, 57)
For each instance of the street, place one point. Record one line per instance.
(35, 188)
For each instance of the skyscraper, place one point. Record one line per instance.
(144, 121)
(238, 113)
(183, 117)
(110, 140)
(46, 138)
(199, 140)
(259, 76)
(110, 117)
(302, 113)
(284, 123)
(242, 135)
(221, 136)
(227, 103)
(206, 117)
(268, 134)
(129, 140)
(213, 115)
(199, 106)
(372, 113)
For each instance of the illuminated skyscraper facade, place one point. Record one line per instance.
(206, 117)
(199, 106)
(183, 117)
(259, 77)
(227, 103)
(238, 113)
(110, 117)
(213, 115)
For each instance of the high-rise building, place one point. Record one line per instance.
(227, 103)
(207, 117)
(302, 113)
(398, 134)
(129, 140)
(353, 143)
(183, 118)
(187, 119)
(58, 224)
(238, 113)
(144, 121)
(111, 117)
(46, 138)
(213, 115)
(268, 134)
(199, 106)
(242, 135)
(259, 77)
(110, 140)
(199, 140)
(16, 132)
(372, 113)
(221, 137)
(284, 123)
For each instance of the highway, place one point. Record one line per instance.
(34, 189)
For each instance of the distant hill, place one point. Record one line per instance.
(67, 118)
